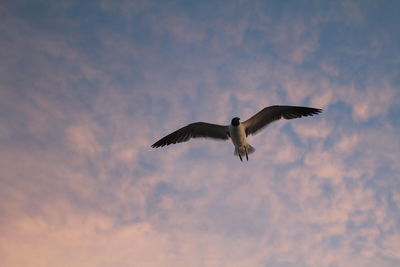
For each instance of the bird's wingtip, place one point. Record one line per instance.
(317, 110)
(154, 145)
(157, 145)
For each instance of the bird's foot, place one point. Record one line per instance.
(240, 158)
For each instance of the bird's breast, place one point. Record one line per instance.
(238, 135)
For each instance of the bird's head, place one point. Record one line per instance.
(235, 121)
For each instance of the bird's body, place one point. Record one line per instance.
(237, 131)
(239, 140)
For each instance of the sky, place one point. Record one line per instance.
(87, 86)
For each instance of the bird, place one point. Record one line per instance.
(237, 131)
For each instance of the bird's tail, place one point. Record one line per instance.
(242, 151)
(250, 149)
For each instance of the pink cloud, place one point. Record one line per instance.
(324, 99)
(347, 144)
(294, 40)
(369, 102)
(310, 128)
(180, 27)
(83, 139)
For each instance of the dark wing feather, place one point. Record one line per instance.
(194, 130)
(273, 113)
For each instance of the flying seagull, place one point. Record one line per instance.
(237, 131)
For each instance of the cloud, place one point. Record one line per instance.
(180, 28)
(371, 102)
(313, 129)
(83, 139)
(91, 239)
(127, 8)
(293, 40)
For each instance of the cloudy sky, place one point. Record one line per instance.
(87, 86)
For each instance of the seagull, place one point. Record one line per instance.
(237, 131)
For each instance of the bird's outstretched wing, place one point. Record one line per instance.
(194, 130)
(273, 113)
